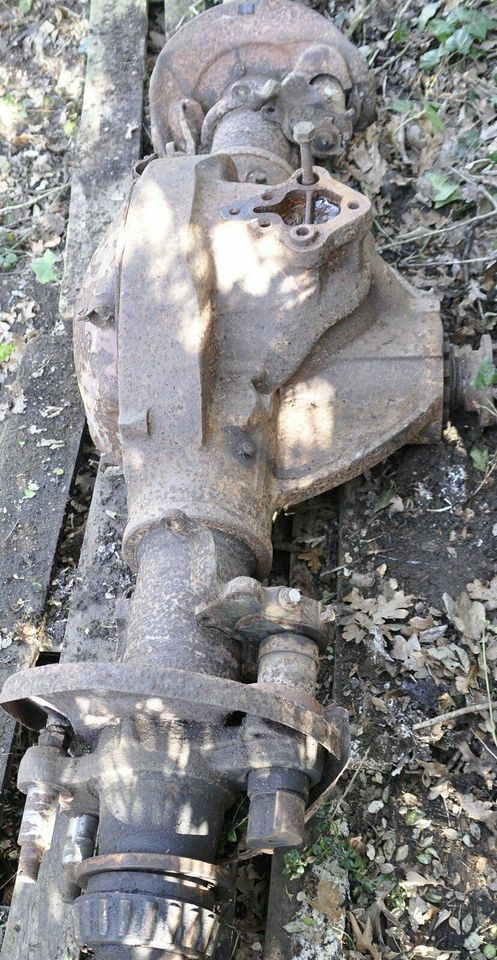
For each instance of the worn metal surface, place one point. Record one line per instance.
(246, 610)
(323, 390)
(117, 690)
(278, 355)
(290, 44)
(462, 366)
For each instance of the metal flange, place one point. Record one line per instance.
(247, 610)
(92, 695)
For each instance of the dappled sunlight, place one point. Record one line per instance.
(306, 419)
(186, 823)
(244, 261)
(297, 288)
(136, 459)
(178, 750)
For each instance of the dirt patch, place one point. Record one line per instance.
(431, 516)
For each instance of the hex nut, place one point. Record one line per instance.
(275, 820)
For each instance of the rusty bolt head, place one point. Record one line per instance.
(303, 131)
(275, 820)
(54, 735)
(240, 91)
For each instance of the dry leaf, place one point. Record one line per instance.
(468, 616)
(488, 595)
(397, 608)
(409, 653)
(313, 557)
(414, 879)
(329, 900)
(481, 810)
(364, 938)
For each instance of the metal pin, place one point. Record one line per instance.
(302, 134)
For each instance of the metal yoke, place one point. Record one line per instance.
(240, 346)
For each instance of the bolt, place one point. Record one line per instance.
(289, 597)
(290, 659)
(277, 808)
(276, 820)
(247, 449)
(54, 735)
(241, 91)
(79, 845)
(28, 866)
(303, 133)
(322, 144)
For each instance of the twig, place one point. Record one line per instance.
(8, 880)
(34, 199)
(350, 784)
(462, 712)
(449, 263)
(483, 645)
(427, 234)
(471, 180)
(356, 22)
(484, 745)
(488, 473)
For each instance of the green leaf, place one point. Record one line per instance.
(411, 817)
(383, 501)
(424, 858)
(431, 112)
(401, 106)
(428, 11)
(479, 458)
(440, 29)
(489, 951)
(31, 490)
(444, 191)
(469, 140)
(401, 33)
(432, 896)
(479, 25)
(44, 267)
(25, 6)
(8, 260)
(431, 58)
(461, 41)
(6, 349)
(58, 472)
(486, 375)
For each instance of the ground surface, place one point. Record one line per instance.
(409, 853)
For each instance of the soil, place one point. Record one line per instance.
(443, 537)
